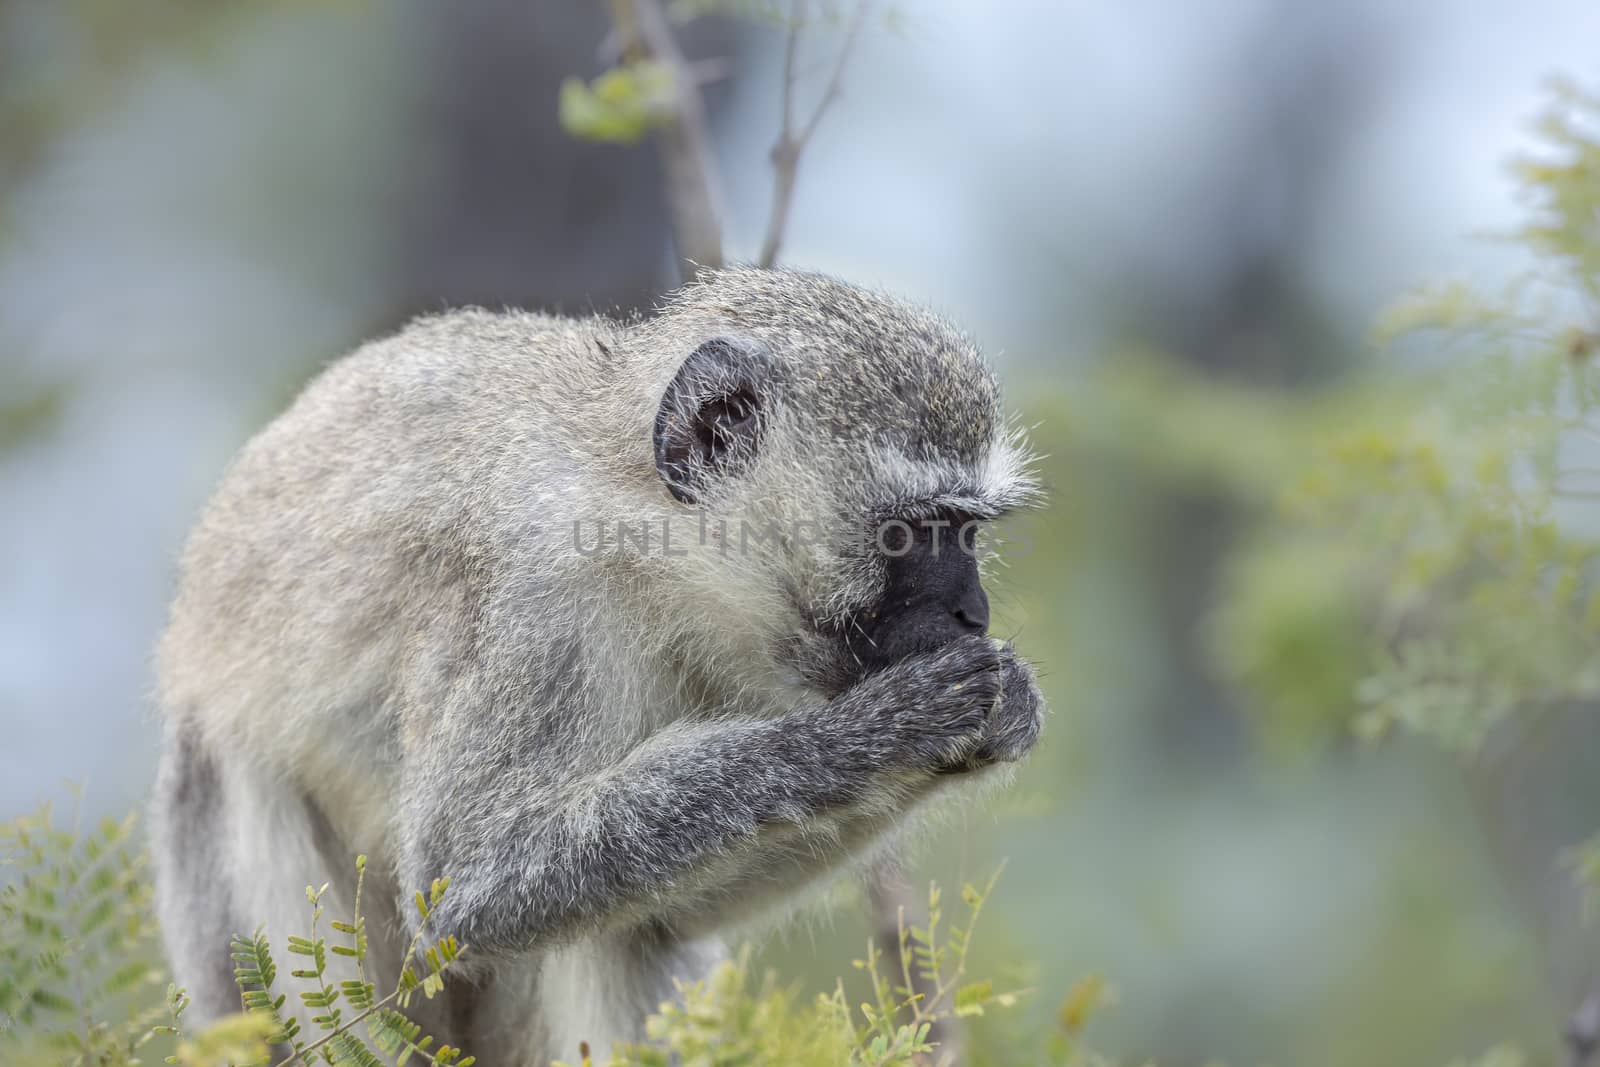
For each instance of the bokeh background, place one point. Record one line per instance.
(202, 204)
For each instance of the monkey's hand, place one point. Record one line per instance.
(930, 711)
(1015, 724)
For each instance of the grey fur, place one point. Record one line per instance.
(385, 641)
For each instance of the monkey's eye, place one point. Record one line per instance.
(964, 528)
(967, 534)
(949, 528)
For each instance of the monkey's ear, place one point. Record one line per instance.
(712, 416)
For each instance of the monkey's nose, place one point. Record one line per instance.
(973, 610)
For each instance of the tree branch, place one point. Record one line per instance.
(684, 142)
(858, 19)
(786, 151)
(893, 907)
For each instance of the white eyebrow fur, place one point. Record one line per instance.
(1002, 481)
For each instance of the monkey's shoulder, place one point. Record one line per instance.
(446, 380)
(474, 350)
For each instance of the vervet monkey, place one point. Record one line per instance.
(633, 629)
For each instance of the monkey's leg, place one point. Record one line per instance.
(600, 990)
(235, 850)
(197, 910)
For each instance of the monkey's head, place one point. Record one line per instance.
(845, 450)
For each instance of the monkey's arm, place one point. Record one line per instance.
(664, 829)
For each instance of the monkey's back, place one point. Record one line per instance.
(347, 539)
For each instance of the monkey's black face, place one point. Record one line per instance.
(932, 592)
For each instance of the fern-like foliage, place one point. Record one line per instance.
(339, 1012)
(81, 980)
(79, 977)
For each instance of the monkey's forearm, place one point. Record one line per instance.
(684, 814)
(633, 839)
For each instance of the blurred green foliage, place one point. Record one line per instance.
(80, 983)
(29, 412)
(1425, 551)
(66, 62)
(77, 943)
(622, 105)
(64, 65)
(734, 1017)
(1421, 545)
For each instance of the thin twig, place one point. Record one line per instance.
(791, 50)
(791, 143)
(891, 901)
(685, 145)
(852, 34)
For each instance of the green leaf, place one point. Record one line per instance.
(621, 106)
(971, 998)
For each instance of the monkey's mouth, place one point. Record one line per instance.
(834, 655)
(822, 654)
